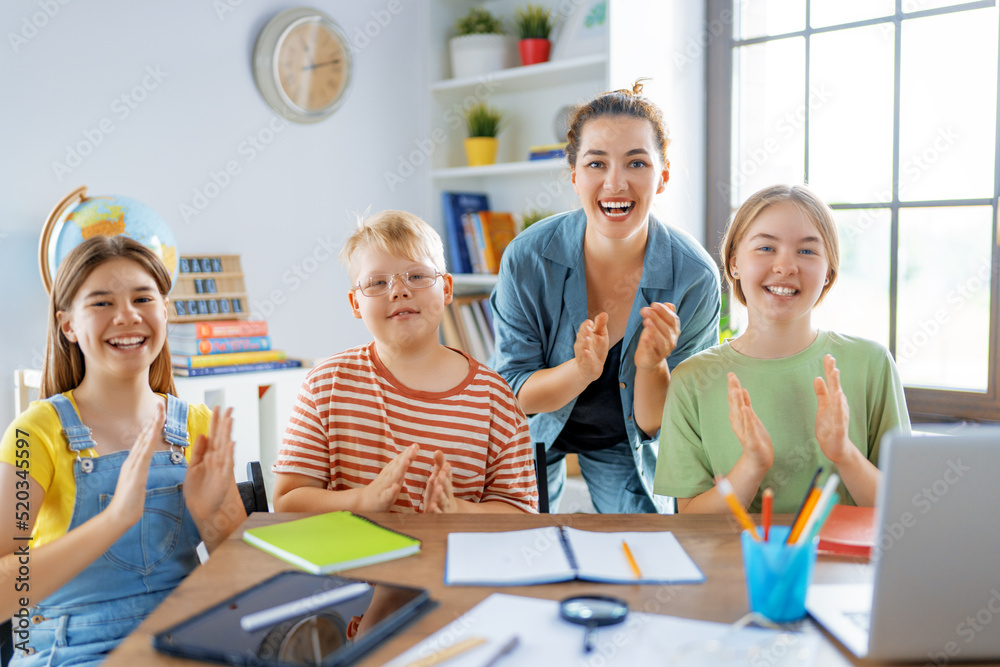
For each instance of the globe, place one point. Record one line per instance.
(79, 217)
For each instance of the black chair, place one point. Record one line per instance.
(541, 476)
(252, 492)
(6, 643)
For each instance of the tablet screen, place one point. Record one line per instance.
(336, 633)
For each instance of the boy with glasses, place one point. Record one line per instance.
(404, 423)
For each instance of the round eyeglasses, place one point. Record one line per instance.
(380, 283)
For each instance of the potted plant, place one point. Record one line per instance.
(483, 124)
(534, 25)
(533, 215)
(479, 45)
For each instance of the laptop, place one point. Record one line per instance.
(935, 595)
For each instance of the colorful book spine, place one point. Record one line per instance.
(202, 361)
(238, 368)
(218, 329)
(200, 346)
(455, 205)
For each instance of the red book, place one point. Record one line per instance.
(217, 329)
(848, 531)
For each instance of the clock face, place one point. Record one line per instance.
(302, 65)
(311, 66)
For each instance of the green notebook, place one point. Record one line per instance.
(331, 542)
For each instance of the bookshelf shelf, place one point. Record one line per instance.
(502, 169)
(532, 77)
(473, 283)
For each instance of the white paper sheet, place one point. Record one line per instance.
(642, 639)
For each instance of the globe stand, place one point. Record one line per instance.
(74, 198)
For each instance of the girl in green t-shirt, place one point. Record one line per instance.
(781, 256)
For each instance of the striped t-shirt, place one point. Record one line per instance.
(352, 417)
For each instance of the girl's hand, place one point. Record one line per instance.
(660, 329)
(591, 347)
(832, 414)
(130, 492)
(210, 470)
(749, 430)
(439, 496)
(381, 493)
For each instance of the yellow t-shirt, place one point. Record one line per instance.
(50, 461)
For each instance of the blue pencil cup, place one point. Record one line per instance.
(778, 575)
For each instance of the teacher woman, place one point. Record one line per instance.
(593, 307)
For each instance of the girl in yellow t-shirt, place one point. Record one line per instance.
(109, 500)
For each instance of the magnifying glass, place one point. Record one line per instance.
(593, 611)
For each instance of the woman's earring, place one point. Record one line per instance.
(736, 274)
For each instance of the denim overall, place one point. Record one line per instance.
(88, 617)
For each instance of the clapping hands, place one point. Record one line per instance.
(660, 329)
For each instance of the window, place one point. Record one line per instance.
(888, 109)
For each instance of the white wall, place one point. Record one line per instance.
(289, 207)
(674, 61)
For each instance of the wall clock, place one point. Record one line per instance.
(302, 65)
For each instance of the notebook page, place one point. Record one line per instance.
(660, 557)
(533, 556)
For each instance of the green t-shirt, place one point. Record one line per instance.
(697, 441)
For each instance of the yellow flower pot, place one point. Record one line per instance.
(481, 150)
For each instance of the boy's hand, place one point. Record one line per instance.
(591, 347)
(210, 471)
(660, 329)
(749, 430)
(439, 496)
(832, 414)
(381, 493)
(130, 492)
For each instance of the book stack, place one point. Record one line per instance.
(468, 325)
(477, 236)
(219, 347)
(208, 332)
(547, 152)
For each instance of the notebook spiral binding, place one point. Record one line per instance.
(567, 549)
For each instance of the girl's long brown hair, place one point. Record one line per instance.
(64, 365)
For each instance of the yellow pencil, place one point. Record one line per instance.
(448, 652)
(726, 489)
(631, 560)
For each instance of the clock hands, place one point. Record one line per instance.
(328, 62)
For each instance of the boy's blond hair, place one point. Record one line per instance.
(397, 233)
(806, 201)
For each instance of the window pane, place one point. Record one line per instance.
(943, 324)
(948, 106)
(756, 18)
(768, 118)
(858, 303)
(850, 130)
(834, 12)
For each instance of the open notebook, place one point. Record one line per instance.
(558, 553)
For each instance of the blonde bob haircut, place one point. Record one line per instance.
(64, 365)
(806, 201)
(396, 233)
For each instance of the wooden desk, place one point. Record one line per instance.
(712, 541)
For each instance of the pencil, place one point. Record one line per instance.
(802, 519)
(631, 560)
(822, 507)
(805, 499)
(766, 510)
(448, 652)
(726, 489)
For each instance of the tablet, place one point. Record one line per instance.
(331, 634)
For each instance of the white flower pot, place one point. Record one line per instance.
(475, 55)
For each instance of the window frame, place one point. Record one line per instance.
(924, 404)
